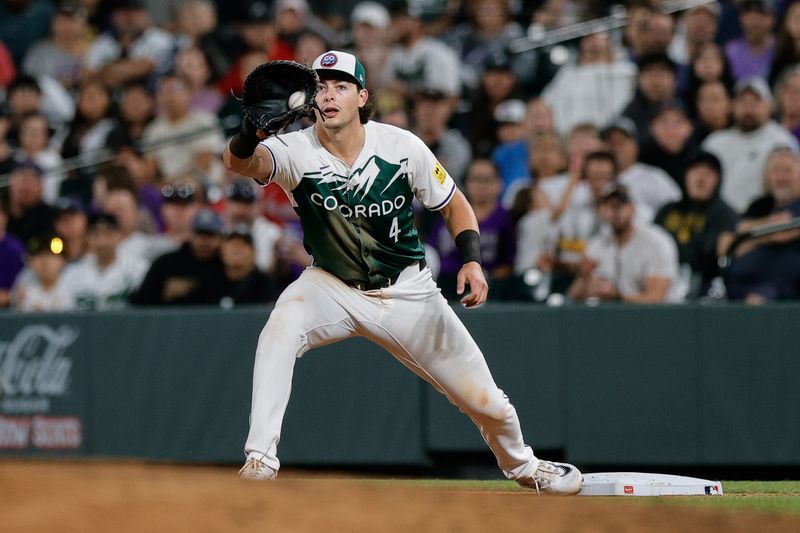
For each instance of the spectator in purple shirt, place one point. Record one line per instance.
(483, 187)
(12, 255)
(752, 54)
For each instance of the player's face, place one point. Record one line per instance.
(339, 101)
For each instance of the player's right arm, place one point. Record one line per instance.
(246, 156)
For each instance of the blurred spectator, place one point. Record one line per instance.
(29, 214)
(768, 268)
(113, 176)
(595, 90)
(191, 273)
(547, 165)
(310, 46)
(103, 279)
(635, 262)
(134, 50)
(639, 13)
(123, 204)
(6, 152)
(192, 66)
(199, 132)
(181, 201)
(751, 55)
(71, 225)
(488, 30)
(714, 110)
(242, 209)
(670, 145)
(23, 23)
(788, 90)
(432, 112)
(8, 70)
(23, 97)
(61, 55)
(657, 86)
(197, 26)
(787, 51)
(418, 61)
(243, 282)
(497, 85)
(482, 188)
(649, 187)
(538, 118)
(369, 24)
(659, 34)
(136, 111)
(511, 155)
(12, 258)
(697, 26)
(744, 148)
(40, 288)
(697, 220)
(584, 139)
(162, 12)
(87, 134)
(293, 17)
(34, 145)
(708, 64)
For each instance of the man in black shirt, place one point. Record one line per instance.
(191, 275)
(28, 214)
(696, 221)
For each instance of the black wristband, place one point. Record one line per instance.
(244, 143)
(468, 243)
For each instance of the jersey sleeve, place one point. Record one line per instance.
(432, 185)
(285, 152)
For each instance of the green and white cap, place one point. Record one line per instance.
(341, 62)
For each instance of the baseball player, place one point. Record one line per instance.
(352, 182)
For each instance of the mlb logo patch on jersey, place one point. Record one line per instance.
(439, 173)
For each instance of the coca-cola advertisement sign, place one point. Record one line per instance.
(37, 402)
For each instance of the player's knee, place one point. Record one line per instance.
(490, 404)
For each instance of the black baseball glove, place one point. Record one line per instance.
(265, 99)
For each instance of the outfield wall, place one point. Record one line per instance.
(689, 385)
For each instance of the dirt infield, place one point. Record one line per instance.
(121, 497)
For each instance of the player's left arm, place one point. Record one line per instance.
(463, 226)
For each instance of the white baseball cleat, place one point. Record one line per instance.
(554, 478)
(255, 469)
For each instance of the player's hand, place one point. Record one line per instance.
(471, 274)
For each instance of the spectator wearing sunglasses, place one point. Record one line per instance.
(181, 200)
(242, 208)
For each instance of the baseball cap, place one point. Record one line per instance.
(755, 85)
(130, 4)
(705, 158)
(649, 61)
(497, 61)
(182, 193)
(207, 221)
(711, 7)
(258, 12)
(342, 62)
(69, 204)
(242, 190)
(69, 8)
(510, 111)
(623, 124)
(616, 191)
(301, 6)
(103, 221)
(28, 165)
(762, 6)
(240, 231)
(371, 13)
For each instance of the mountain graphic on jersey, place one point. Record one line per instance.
(360, 227)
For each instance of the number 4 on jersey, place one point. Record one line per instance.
(394, 230)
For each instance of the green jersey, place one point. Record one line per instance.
(357, 221)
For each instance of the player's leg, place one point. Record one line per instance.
(424, 333)
(309, 313)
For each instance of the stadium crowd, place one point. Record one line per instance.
(618, 165)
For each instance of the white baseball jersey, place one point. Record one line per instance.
(95, 288)
(357, 221)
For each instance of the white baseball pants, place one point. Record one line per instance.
(414, 323)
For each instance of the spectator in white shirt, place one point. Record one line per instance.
(649, 186)
(40, 287)
(634, 262)
(744, 148)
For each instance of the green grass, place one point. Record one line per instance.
(766, 496)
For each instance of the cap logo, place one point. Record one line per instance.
(328, 60)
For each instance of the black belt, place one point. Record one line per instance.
(372, 286)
